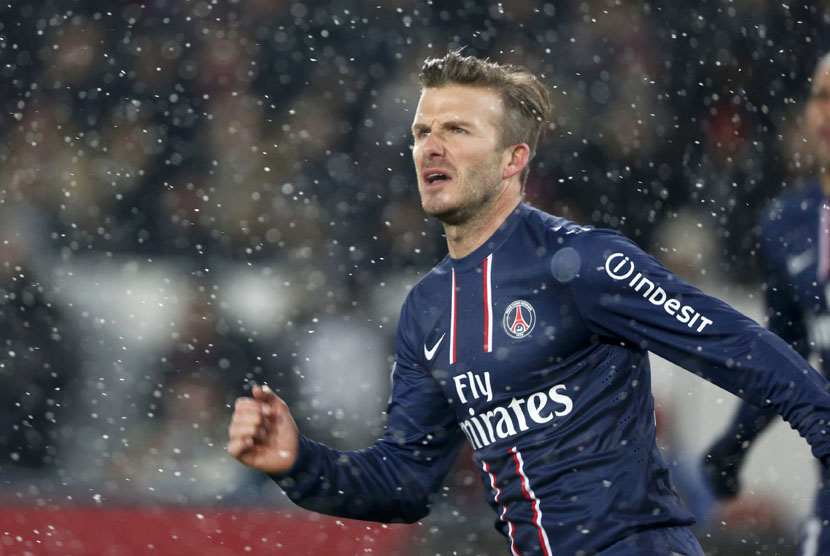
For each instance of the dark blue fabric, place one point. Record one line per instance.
(559, 412)
(816, 531)
(798, 310)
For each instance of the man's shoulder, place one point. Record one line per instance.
(562, 233)
(555, 224)
(428, 283)
(557, 231)
(573, 249)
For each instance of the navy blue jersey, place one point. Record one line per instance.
(533, 349)
(798, 300)
(798, 310)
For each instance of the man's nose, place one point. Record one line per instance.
(433, 146)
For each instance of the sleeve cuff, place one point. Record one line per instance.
(304, 459)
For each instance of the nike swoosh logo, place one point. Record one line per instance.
(430, 353)
(796, 264)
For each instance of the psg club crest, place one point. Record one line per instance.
(519, 319)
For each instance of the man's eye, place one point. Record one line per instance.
(459, 130)
(421, 134)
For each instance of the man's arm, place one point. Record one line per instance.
(624, 294)
(389, 482)
(722, 461)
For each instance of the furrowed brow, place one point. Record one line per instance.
(456, 123)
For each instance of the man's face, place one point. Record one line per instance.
(457, 151)
(817, 114)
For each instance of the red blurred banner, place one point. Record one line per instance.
(125, 531)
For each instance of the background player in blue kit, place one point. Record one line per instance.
(530, 340)
(795, 247)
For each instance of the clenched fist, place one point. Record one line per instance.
(263, 434)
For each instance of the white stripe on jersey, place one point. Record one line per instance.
(510, 527)
(452, 320)
(530, 495)
(488, 304)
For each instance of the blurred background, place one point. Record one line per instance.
(197, 195)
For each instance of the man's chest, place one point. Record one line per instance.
(799, 260)
(501, 335)
(802, 263)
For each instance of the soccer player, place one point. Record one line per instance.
(530, 341)
(795, 248)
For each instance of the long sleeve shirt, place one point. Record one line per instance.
(534, 349)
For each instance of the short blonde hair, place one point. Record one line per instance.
(526, 101)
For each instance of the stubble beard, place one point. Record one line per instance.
(481, 186)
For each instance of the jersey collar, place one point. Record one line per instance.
(495, 241)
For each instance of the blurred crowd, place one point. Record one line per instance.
(195, 195)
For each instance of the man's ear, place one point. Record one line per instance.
(517, 158)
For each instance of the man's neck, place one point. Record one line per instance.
(465, 238)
